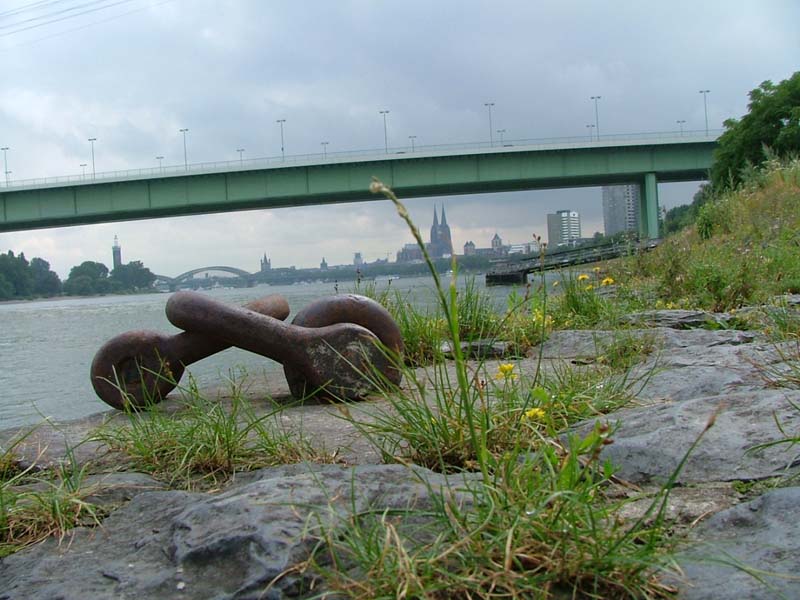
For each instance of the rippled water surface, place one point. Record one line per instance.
(46, 347)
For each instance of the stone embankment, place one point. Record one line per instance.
(743, 531)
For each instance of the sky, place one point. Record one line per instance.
(132, 73)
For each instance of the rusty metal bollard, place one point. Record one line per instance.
(336, 360)
(349, 308)
(140, 367)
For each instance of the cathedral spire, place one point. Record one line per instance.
(435, 217)
(444, 217)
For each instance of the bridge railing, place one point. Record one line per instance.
(417, 151)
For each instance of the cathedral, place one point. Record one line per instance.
(441, 244)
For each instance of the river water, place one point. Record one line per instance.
(46, 347)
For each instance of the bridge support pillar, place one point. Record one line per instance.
(648, 206)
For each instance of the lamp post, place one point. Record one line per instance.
(5, 150)
(705, 106)
(159, 159)
(241, 152)
(324, 149)
(93, 140)
(185, 159)
(501, 132)
(283, 153)
(489, 105)
(680, 124)
(596, 115)
(83, 168)
(590, 126)
(412, 138)
(385, 131)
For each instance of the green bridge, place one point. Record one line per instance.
(345, 177)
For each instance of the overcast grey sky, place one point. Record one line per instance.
(133, 72)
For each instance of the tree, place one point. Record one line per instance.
(16, 272)
(772, 121)
(45, 281)
(87, 278)
(133, 276)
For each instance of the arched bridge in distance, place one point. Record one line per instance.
(184, 277)
(643, 159)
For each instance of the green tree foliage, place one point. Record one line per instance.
(684, 215)
(133, 276)
(45, 281)
(772, 121)
(87, 278)
(15, 270)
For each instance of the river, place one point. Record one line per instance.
(46, 346)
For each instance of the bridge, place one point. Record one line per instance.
(183, 277)
(645, 159)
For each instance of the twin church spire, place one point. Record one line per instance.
(441, 241)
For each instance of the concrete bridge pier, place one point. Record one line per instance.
(648, 206)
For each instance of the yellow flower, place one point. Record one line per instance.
(583, 277)
(505, 371)
(607, 281)
(555, 283)
(589, 287)
(534, 414)
(596, 269)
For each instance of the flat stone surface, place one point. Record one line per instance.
(650, 441)
(760, 536)
(233, 545)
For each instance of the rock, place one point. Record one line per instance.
(480, 349)
(231, 545)
(676, 319)
(760, 536)
(650, 441)
(111, 490)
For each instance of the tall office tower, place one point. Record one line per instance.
(620, 208)
(116, 253)
(563, 226)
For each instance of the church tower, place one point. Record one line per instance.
(434, 234)
(445, 241)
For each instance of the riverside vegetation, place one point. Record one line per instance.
(540, 517)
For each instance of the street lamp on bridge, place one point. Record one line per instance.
(324, 149)
(385, 131)
(283, 153)
(83, 168)
(412, 138)
(680, 123)
(159, 159)
(705, 106)
(240, 151)
(5, 150)
(489, 105)
(596, 115)
(590, 126)
(185, 159)
(501, 132)
(93, 140)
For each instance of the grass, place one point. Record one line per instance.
(744, 251)
(35, 505)
(205, 443)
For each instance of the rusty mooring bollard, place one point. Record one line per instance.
(140, 367)
(336, 360)
(349, 308)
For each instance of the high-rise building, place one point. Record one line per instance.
(266, 264)
(358, 260)
(620, 208)
(116, 253)
(563, 227)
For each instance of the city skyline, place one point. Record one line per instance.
(366, 75)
